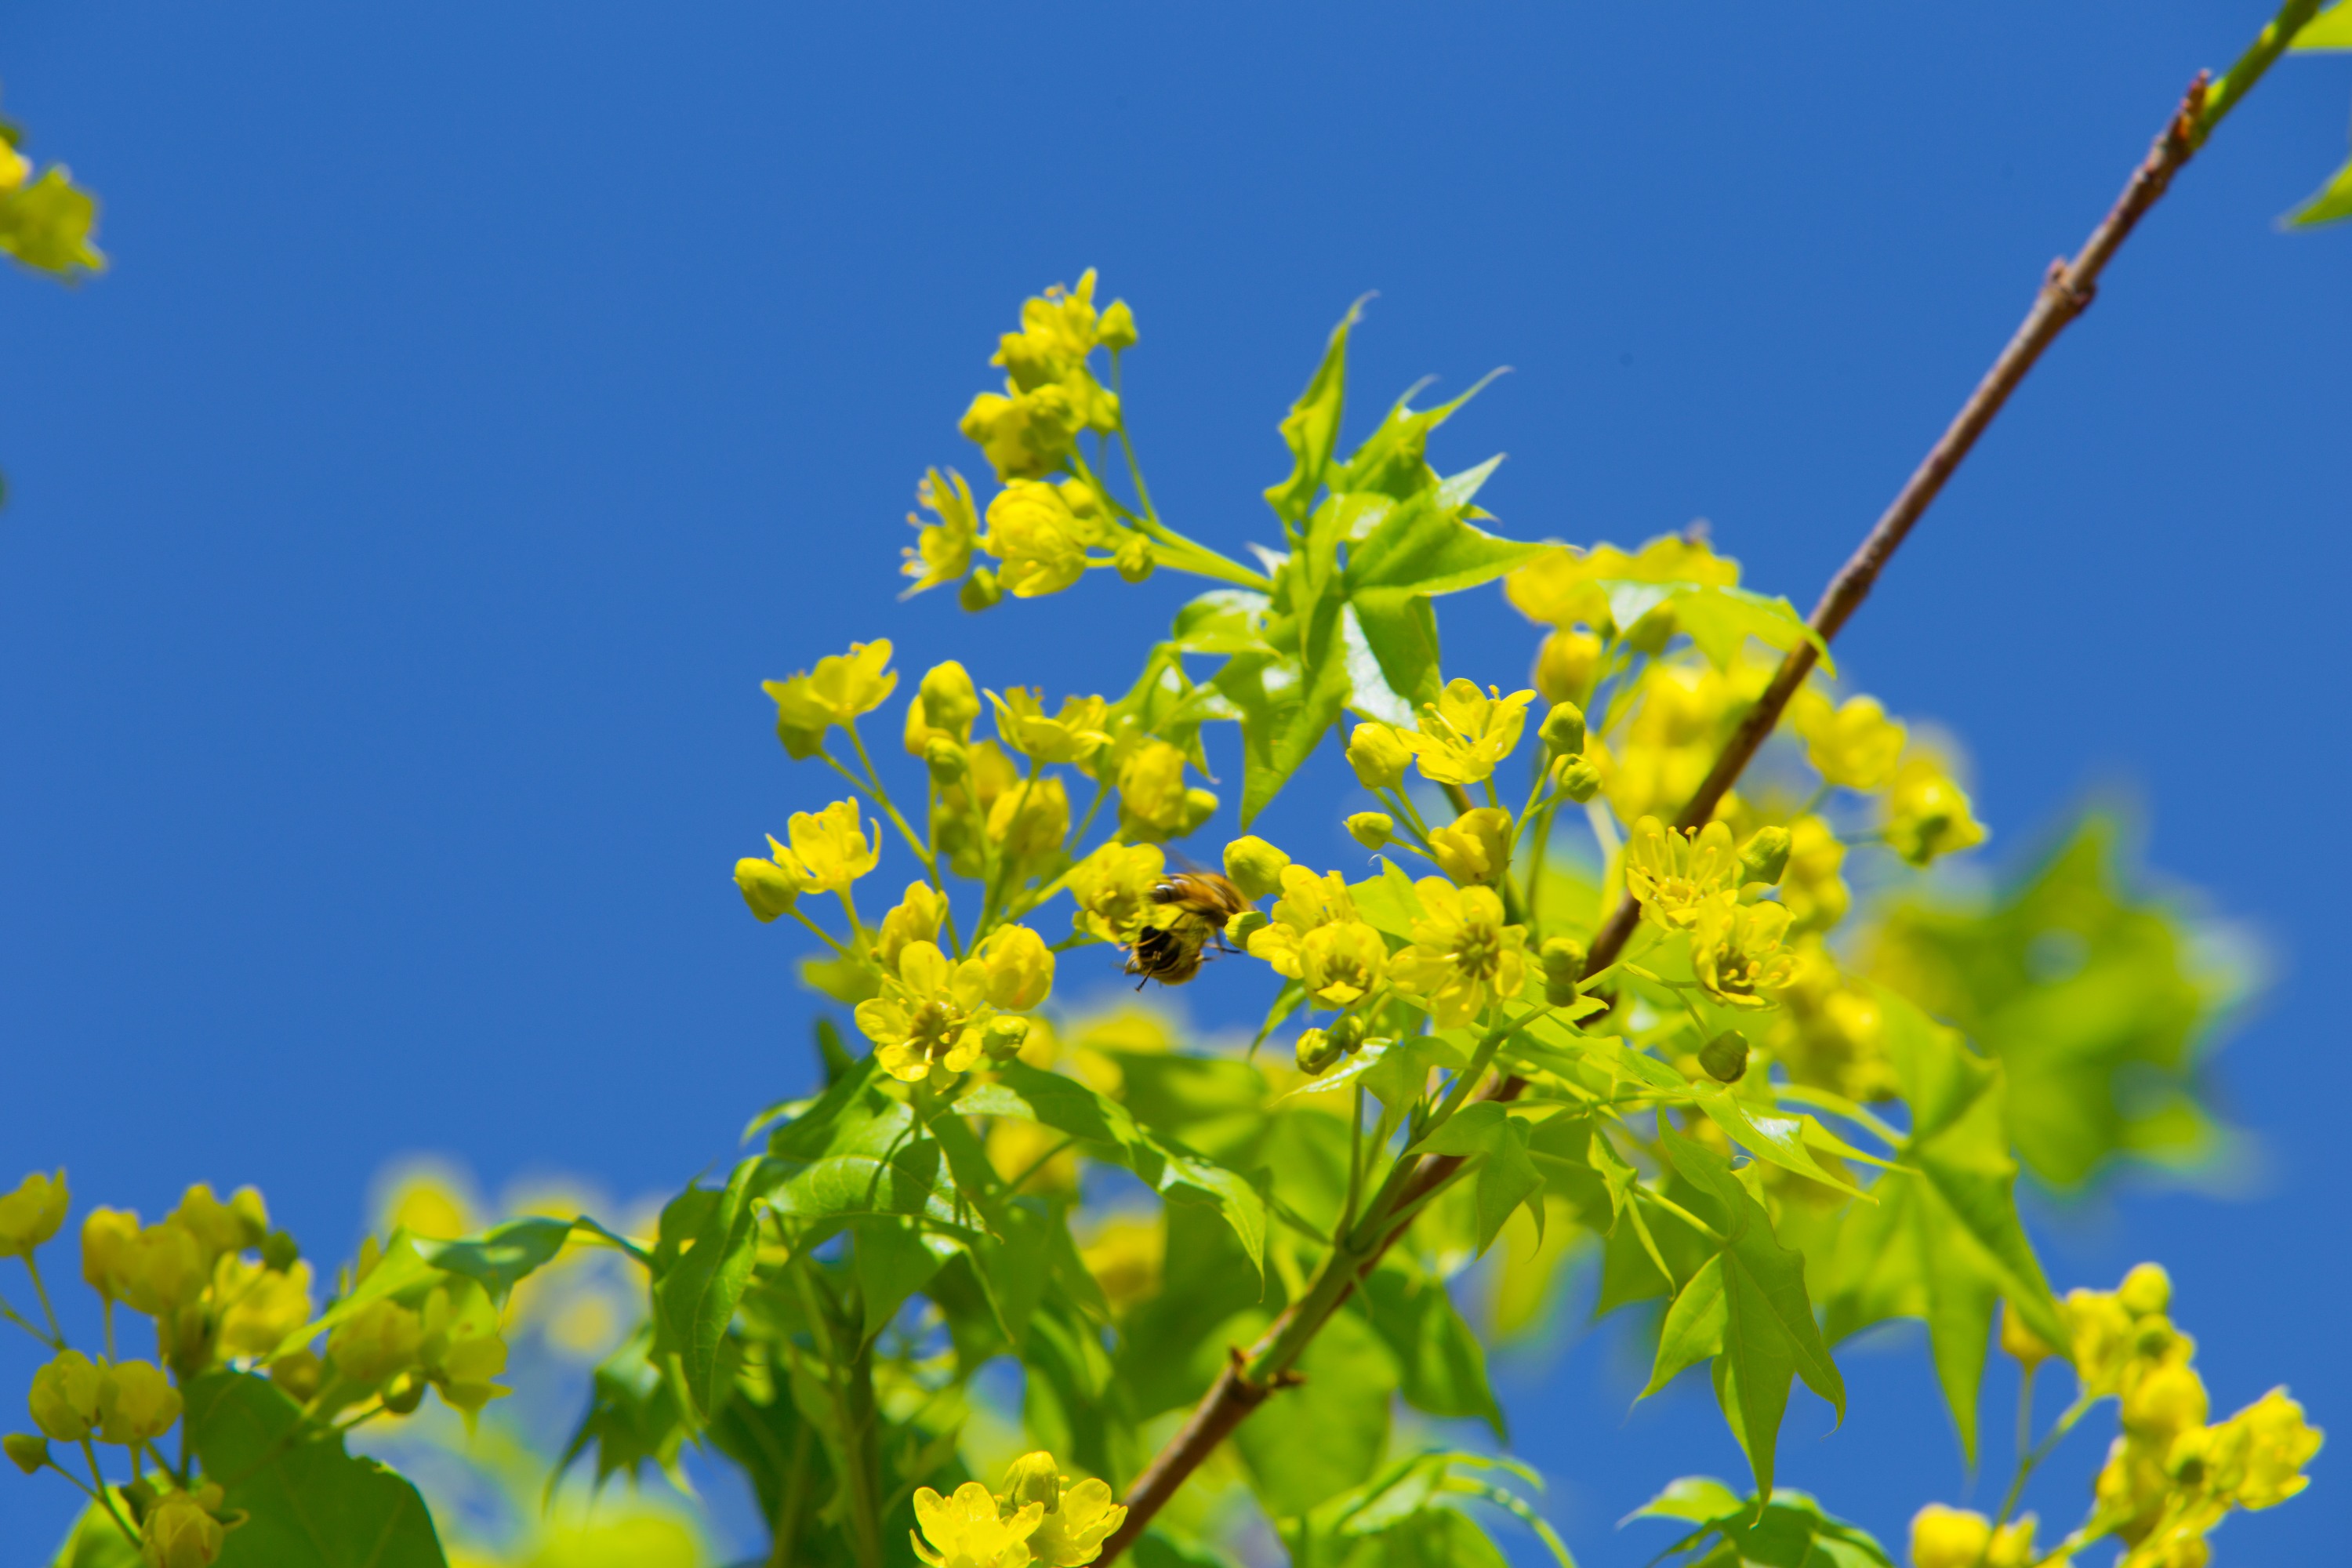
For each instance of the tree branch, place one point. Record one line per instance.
(1248, 1381)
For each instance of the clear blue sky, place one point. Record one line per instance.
(486, 398)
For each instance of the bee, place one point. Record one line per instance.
(1193, 907)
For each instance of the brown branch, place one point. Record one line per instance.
(1248, 1382)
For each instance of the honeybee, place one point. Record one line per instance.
(1193, 907)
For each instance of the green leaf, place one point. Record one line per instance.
(1073, 1403)
(857, 1153)
(1175, 1092)
(308, 1503)
(697, 1287)
(1161, 1547)
(46, 222)
(2098, 1003)
(501, 1258)
(891, 1259)
(1166, 1353)
(1223, 620)
(1745, 1306)
(1312, 428)
(1168, 1167)
(1442, 1366)
(97, 1543)
(1946, 1244)
(1316, 1440)
(1770, 1135)
(633, 1416)
(1720, 620)
(2332, 201)
(1790, 1532)
(1506, 1176)
(2331, 29)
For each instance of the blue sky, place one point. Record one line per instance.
(485, 399)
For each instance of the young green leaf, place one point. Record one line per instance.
(1506, 1176)
(699, 1274)
(1441, 1365)
(1311, 429)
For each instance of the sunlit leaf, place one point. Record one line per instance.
(1442, 1366)
(1791, 1531)
(1315, 1440)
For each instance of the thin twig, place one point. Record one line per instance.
(2065, 292)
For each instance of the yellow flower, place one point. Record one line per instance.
(1030, 819)
(1676, 873)
(1254, 866)
(1074, 733)
(1475, 847)
(2165, 1402)
(1112, 888)
(2103, 1338)
(1379, 754)
(179, 1530)
(1153, 802)
(1020, 967)
(1308, 902)
(942, 708)
(1057, 332)
(164, 1269)
(1040, 536)
(1735, 950)
(136, 1404)
(1563, 587)
(1025, 435)
(223, 1227)
(1962, 1538)
(1927, 814)
(1462, 953)
(830, 849)
(841, 688)
(1854, 745)
(966, 1532)
(1830, 1033)
(1565, 666)
(766, 886)
(1811, 886)
(1073, 1534)
(942, 551)
(64, 1399)
(1127, 1257)
(32, 1214)
(917, 918)
(1118, 328)
(1465, 732)
(461, 1351)
(929, 1015)
(378, 1341)
(959, 811)
(2256, 1457)
(106, 1239)
(264, 1306)
(1341, 964)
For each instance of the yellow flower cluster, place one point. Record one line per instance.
(394, 1351)
(842, 689)
(1566, 587)
(1962, 1538)
(1462, 956)
(1050, 393)
(1039, 1517)
(936, 1016)
(2170, 1477)
(1830, 1033)
(1313, 936)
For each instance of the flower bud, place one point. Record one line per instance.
(1475, 850)
(2147, 1289)
(1372, 829)
(1034, 1477)
(947, 761)
(1724, 1058)
(1346, 1033)
(951, 702)
(1562, 958)
(2019, 1341)
(1200, 804)
(64, 1396)
(106, 1238)
(1565, 666)
(1115, 332)
(180, 1532)
(404, 1393)
(297, 1375)
(1576, 778)
(376, 1341)
(164, 1269)
(279, 1253)
(1379, 758)
(1949, 1537)
(979, 591)
(1316, 1052)
(136, 1404)
(1245, 925)
(1004, 1038)
(27, 1451)
(1563, 730)
(2167, 1402)
(766, 888)
(1765, 855)
(1255, 866)
(31, 1214)
(1134, 560)
(1018, 967)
